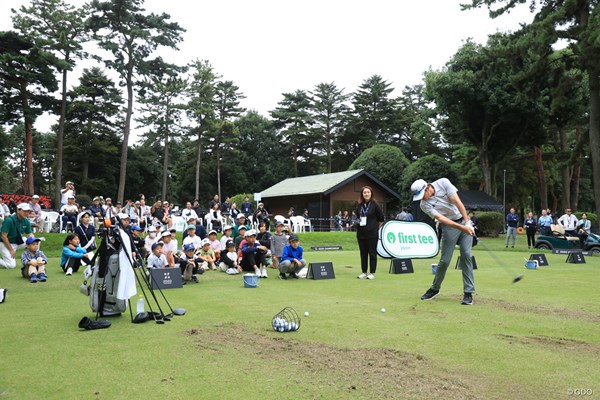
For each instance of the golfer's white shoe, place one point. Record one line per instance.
(371, 276)
(362, 276)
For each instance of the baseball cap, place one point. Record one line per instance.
(229, 244)
(240, 215)
(226, 227)
(24, 207)
(418, 189)
(69, 183)
(212, 231)
(156, 244)
(152, 229)
(293, 237)
(191, 226)
(35, 196)
(188, 247)
(204, 242)
(165, 233)
(279, 223)
(70, 196)
(136, 228)
(249, 233)
(32, 240)
(190, 218)
(242, 227)
(122, 215)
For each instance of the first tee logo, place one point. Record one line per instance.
(399, 239)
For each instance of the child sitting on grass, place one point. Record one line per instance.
(72, 255)
(291, 260)
(34, 261)
(207, 255)
(229, 262)
(253, 256)
(190, 264)
(157, 259)
(215, 245)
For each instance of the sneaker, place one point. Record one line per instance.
(195, 279)
(467, 299)
(282, 276)
(264, 273)
(362, 276)
(33, 278)
(293, 275)
(231, 271)
(257, 272)
(42, 277)
(371, 276)
(69, 271)
(430, 294)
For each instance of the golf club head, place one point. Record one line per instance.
(179, 311)
(141, 317)
(517, 278)
(168, 316)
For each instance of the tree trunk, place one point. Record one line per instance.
(198, 162)
(125, 145)
(485, 169)
(60, 138)
(218, 154)
(165, 166)
(542, 183)
(594, 85)
(565, 171)
(576, 176)
(28, 175)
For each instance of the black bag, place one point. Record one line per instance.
(19, 239)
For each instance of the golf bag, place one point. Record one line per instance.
(104, 283)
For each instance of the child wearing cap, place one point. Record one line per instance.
(263, 237)
(242, 229)
(291, 259)
(190, 264)
(207, 255)
(157, 259)
(229, 262)
(168, 247)
(192, 237)
(278, 242)
(138, 241)
(34, 261)
(226, 237)
(253, 256)
(150, 239)
(241, 222)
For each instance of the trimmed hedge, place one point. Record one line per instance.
(490, 223)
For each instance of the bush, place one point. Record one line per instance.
(490, 223)
(84, 200)
(239, 198)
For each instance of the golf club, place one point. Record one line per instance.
(499, 262)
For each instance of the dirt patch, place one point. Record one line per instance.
(544, 310)
(366, 373)
(554, 343)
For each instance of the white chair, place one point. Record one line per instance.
(51, 217)
(306, 225)
(297, 224)
(178, 223)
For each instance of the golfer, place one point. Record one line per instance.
(440, 201)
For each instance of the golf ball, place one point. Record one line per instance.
(306, 314)
(382, 310)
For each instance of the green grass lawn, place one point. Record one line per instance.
(530, 340)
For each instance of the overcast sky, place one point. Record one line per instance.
(268, 47)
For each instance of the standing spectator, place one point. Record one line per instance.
(196, 207)
(512, 222)
(584, 228)
(4, 211)
(86, 232)
(215, 200)
(402, 215)
(109, 210)
(261, 215)
(35, 216)
(569, 221)
(338, 222)
(278, 242)
(145, 217)
(305, 214)
(97, 211)
(530, 229)
(545, 222)
(353, 221)
(69, 213)
(247, 208)
(291, 213)
(13, 229)
(551, 215)
(346, 220)
(225, 206)
(409, 216)
(440, 201)
(367, 231)
(69, 190)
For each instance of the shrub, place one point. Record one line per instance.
(239, 198)
(84, 200)
(490, 223)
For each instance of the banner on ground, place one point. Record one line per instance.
(399, 239)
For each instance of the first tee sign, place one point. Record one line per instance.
(399, 239)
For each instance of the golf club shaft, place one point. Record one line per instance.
(494, 256)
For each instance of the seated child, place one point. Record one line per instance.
(150, 239)
(253, 256)
(72, 255)
(229, 262)
(157, 259)
(207, 256)
(190, 264)
(215, 245)
(291, 260)
(192, 237)
(227, 229)
(34, 261)
(242, 235)
(264, 239)
(139, 242)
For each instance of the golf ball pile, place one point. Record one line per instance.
(281, 325)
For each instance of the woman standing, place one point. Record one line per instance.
(530, 229)
(367, 231)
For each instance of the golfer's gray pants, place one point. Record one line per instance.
(450, 238)
(511, 232)
(286, 266)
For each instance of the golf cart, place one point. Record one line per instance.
(558, 240)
